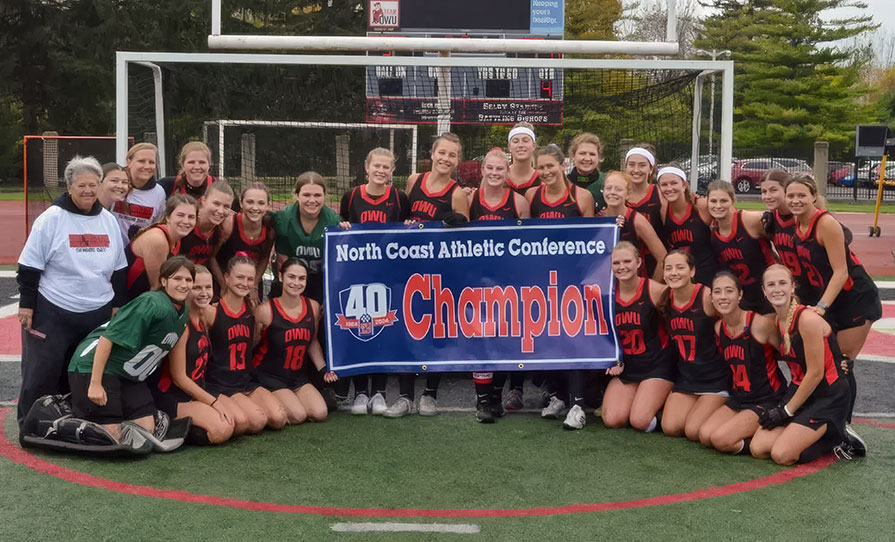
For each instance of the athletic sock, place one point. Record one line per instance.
(361, 385)
(652, 425)
(744, 447)
(853, 388)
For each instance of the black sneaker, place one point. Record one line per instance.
(483, 413)
(497, 409)
(856, 445)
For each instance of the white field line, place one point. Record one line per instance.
(7, 274)
(394, 527)
(10, 358)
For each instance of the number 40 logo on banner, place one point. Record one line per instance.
(366, 310)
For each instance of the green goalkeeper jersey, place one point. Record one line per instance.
(142, 333)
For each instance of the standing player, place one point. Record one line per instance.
(286, 326)
(521, 144)
(246, 233)
(739, 244)
(432, 196)
(194, 163)
(214, 207)
(180, 389)
(644, 197)
(493, 200)
(810, 420)
(377, 202)
(146, 201)
(636, 228)
(556, 197)
(645, 374)
(685, 222)
(231, 331)
(840, 289)
(703, 377)
(109, 368)
(747, 342)
(586, 153)
(151, 247)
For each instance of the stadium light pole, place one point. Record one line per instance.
(715, 54)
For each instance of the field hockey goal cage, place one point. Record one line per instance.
(270, 117)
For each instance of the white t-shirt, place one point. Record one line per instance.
(144, 207)
(77, 254)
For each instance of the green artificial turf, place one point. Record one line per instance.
(450, 461)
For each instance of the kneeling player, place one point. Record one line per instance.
(287, 326)
(109, 369)
(180, 391)
(747, 341)
(231, 330)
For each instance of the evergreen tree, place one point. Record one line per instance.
(794, 85)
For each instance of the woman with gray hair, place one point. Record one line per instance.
(71, 274)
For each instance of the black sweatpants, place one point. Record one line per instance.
(45, 361)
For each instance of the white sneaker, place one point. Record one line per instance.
(575, 419)
(554, 408)
(361, 402)
(378, 404)
(428, 406)
(401, 408)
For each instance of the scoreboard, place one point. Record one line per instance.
(479, 95)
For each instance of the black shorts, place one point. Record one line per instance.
(828, 405)
(125, 399)
(664, 366)
(857, 306)
(230, 390)
(277, 382)
(716, 381)
(738, 406)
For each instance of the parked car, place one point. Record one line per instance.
(794, 165)
(837, 171)
(890, 174)
(746, 174)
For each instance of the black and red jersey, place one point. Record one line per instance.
(284, 343)
(523, 188)
(650, 207)
(629, 233)
(231, 346)
(359, 207)
(564, 207)
(240, 242)
(755, 376)
(137, 280)
(197, 351)
(480, 210)
(815, 263)
(693, 332)
(689, 233)
(199, 247)
(784, 241)
(795, 355)
(746, 257)
(641, 332)
(426, 205)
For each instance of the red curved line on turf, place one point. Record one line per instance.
(20, 456)
(868, 421)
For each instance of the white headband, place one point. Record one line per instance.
(674, 171)
(640, 151)
(521, 130)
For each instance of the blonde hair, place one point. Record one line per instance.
(587, 137)
(793, 304)
(192, 146)
(723, 186)
(379, 151)
(448, 136)
(141, 147)
(627, 245)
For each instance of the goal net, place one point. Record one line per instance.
(271, 121)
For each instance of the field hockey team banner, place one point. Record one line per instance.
(511, 295)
